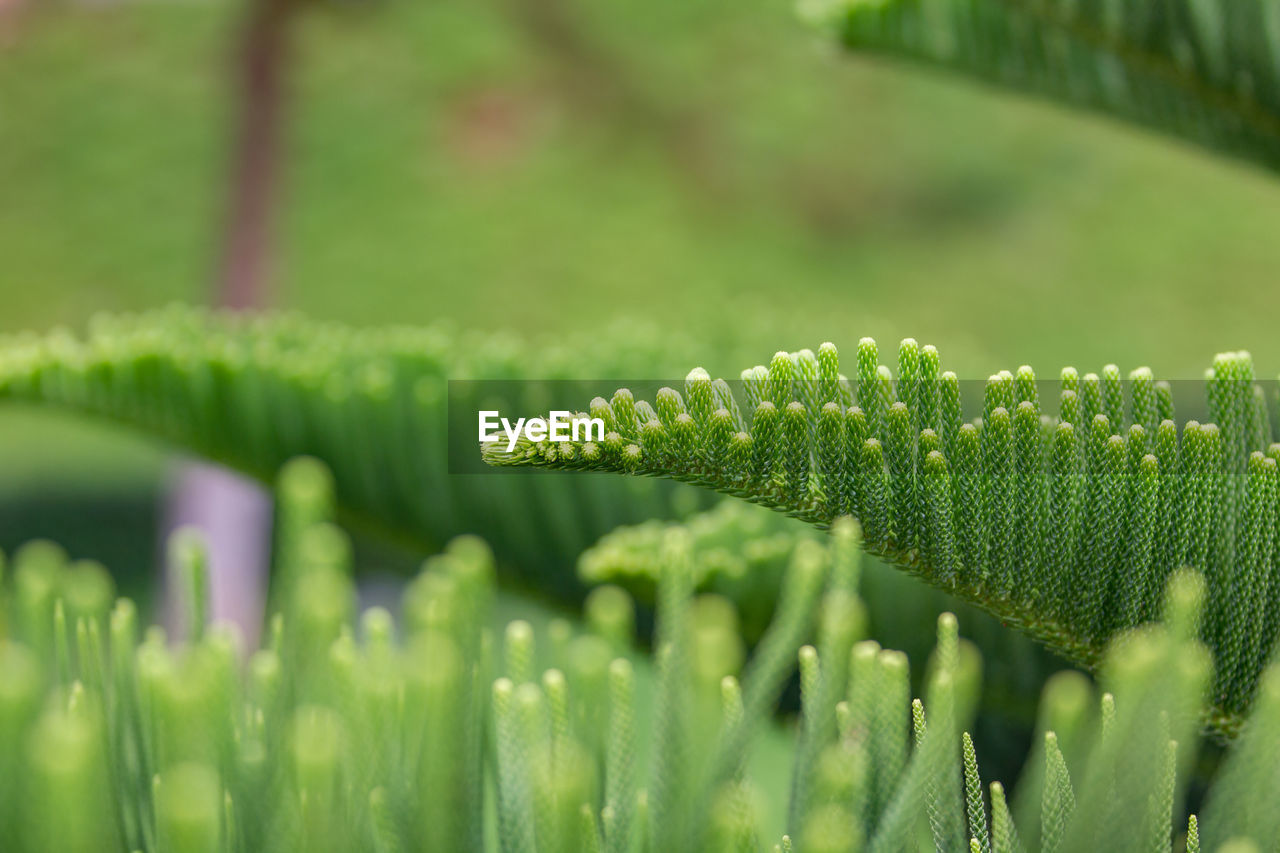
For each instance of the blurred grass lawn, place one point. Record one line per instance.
(440, 166)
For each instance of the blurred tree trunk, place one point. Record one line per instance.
(234, 513)
(261, 66)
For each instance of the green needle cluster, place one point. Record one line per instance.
(1204, 70)
(741, 552)
(1064, 517)
(736, 550)
(253, 391)
(427, 730)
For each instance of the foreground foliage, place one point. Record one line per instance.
(1065, 524)
(432, 734)
(741, 552)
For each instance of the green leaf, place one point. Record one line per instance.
(1207, 71)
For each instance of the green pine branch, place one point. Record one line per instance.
(254, 391)
(1063, 518)
(1207, 71)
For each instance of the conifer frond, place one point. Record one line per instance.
(736, 550)
(254, 391)
(1004, 837)
(1207, 71)
(974, 809)
(1063, 518)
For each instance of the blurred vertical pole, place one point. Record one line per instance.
(233, 512)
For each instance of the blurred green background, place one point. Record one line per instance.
(546, 166)
(713, 165)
